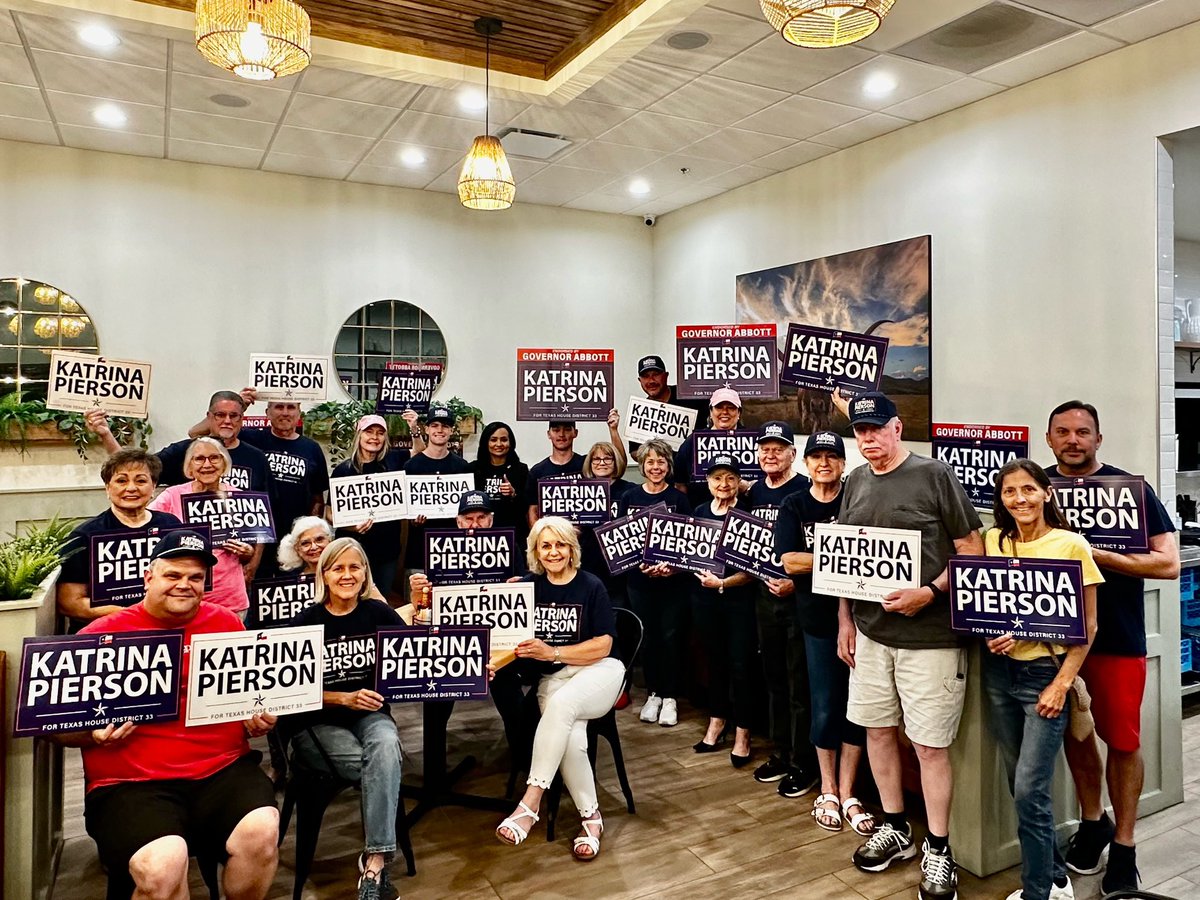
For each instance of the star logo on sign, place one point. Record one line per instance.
(861, 585)
(470, 574)
(1018, 623)
(101, 710)
(565, 408)
(288, 394)
(96, 403)
(829, 379)
(258, 701)
(431, 685)
(726, 384)
(757, 565)
(974, 492)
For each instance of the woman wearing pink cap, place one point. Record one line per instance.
(724, 414)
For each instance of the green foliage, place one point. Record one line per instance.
(336, 421)
(26, 560)
(463, 410)
(17, 416)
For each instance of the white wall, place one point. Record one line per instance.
(194, 267)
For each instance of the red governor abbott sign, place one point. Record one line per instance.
(564, 384)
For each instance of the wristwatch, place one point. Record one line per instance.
(721, 587)
(557, 655)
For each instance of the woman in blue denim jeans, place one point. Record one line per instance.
(1026, 682)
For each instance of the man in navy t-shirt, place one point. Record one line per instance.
(297, 464)
(562, 461)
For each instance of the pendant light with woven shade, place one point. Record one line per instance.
(825, 23)
(486, 181)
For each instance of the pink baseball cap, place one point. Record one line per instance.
(367, 421)
(725, 395)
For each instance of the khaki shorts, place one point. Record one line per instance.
(924, 687)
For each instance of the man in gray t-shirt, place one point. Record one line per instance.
(905, 663)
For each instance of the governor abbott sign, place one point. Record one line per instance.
(564, 384)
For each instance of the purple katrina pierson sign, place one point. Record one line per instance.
(584, 501)
(470, 555)
(976, 453)
(564, 384)
(742, 357)
(741, 445)
(435, 662)
(406, 386)
(623, 540)
(119, 562)
(348, 659)
(748, 544)
(1033, 599)
(822, 359)
(275, 601)
(88, 681)
(237, 516)
(682, 542)
(1110, 510)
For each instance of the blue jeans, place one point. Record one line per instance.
(829, 683)
(1029, 746)
(367, 752)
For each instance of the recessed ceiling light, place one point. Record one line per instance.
(639, 186)
(98, 36)
(412, 157)
(688, 40)
(109, 115)
(472, 100)
(880, 84)
(230, 100)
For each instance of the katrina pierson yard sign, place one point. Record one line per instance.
(976, 453)
(435, 496)
(437, 662)
(646, 420)
(506, 610)
(88, 681)
(582, 501)
(275, 601)
(233, 675)
(623, 540)
(748, 544)
(356, 499)
(682, 542)
(120, 559)
(823, 359)
(284, 376)
(1110, 510)
(864, 563)
(564, 384)
(236, 516)
(742, 357)
(741, 445)
(404, 386)
(471, 555)
(1033, 599)
(82, 381)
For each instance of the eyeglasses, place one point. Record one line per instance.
(308, 544)
(206, 459)
(603, 459)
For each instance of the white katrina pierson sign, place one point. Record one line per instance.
(648, 419)
(279, 376)
(507, 609)
(436, 496)
(357, 498)
(864, 563)
(82, 381)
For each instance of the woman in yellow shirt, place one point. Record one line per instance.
(1026, 682)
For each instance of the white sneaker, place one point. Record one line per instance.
(669, 715)
(1066, 892)
(650, 711)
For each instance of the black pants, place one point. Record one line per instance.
(726, 626)
(785, 668)
(663, 605)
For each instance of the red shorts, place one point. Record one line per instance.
(1116, 684)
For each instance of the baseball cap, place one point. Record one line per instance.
(725, 395)
(722, 461)
(872, 408)
(560, 423)
(472, 501)
(176, 544)
(825, 440)
(440, 414)
(651, 364)
(776, 430)
(367, 421)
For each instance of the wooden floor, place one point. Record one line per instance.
(702, 830)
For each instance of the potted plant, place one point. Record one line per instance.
(23, 421)
(28, 561)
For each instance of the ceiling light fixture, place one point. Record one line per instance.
(254, 39)
(412, 157)
(472, 100)
(99, 37)
(639, 186)
(486, 181)
(825, 23)
(109, 115)
(880, 84)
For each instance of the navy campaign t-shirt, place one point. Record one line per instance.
(509, 511)
(764, 501)
(250, 469)
(739, 592)
(571, 613)
(817, 613)
(637, 497)
(299, 469)
(549, 469)
(382, 540)
(450, 464)
(1120, 600)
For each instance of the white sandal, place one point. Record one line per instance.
(863, 823)
(820, 812)
(589, 840)
(511, 824)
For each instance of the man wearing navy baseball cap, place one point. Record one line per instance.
(435, 459)
(654, 377)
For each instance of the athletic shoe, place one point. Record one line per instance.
(774, 769)
(650, 711)
(883, 848)
(1066, 892)
(797, 783)
(669, 716)
(368, 886)
(940, 881)
(1122, 872)
(1088, 846)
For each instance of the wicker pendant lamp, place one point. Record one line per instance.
(486, 181)
(825, 23)
(254, 39)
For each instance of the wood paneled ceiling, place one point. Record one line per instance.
(538, 38)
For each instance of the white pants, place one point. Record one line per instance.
(568, 699)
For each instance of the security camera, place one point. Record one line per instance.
(649, 220)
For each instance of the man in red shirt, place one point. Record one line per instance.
(158, 792)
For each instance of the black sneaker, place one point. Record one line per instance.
(774, 769)
(1088, 846)
(883, 848)
(1122, 872)
(939, 874)
(797, 783)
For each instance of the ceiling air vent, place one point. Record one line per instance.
(532, 144)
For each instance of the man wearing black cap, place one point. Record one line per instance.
(563, 461)
(157, 792)
(906, 662)
(653, 376)
(435, 459)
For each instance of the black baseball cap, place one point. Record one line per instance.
(722, 461)
(651, 364)
(872, 408)
(776, 430)
(560, 423)
(440, 414)
(825, 440)
(472, 501)
(178, 544)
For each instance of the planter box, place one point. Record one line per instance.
(45, 432)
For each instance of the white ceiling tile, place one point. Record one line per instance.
(1062, 53)
(739, 176)
(668, 173)
(1152, 19)
(1085, 12)
(396, 176)
(637, 84)
(227, 130)
(111, 141)
(556, 185)
(911, 78)
(943, 99)
(443, 102)
(605, 203)
(339, 116)
(317, 167)
(796, 155)
(30, 130)
(578, 120)
(729, 34)
(360, 88)
(859, 130)
(44, 33)
(73, 109)
(677, 200)
(911, 20)
(447, 183)
(800, 117)
(22, 102)
(213, 154)
(195, 93)
(320, 144)
(8, 31)
(734, 145)
(101, 78)
(775, 63)
(657, 132)
(428, 130)
(386, 154)
(522, 169)
(750, 8)
(14, 65)
(717, 101)
(605, 157)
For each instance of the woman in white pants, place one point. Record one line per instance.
(574, 651)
